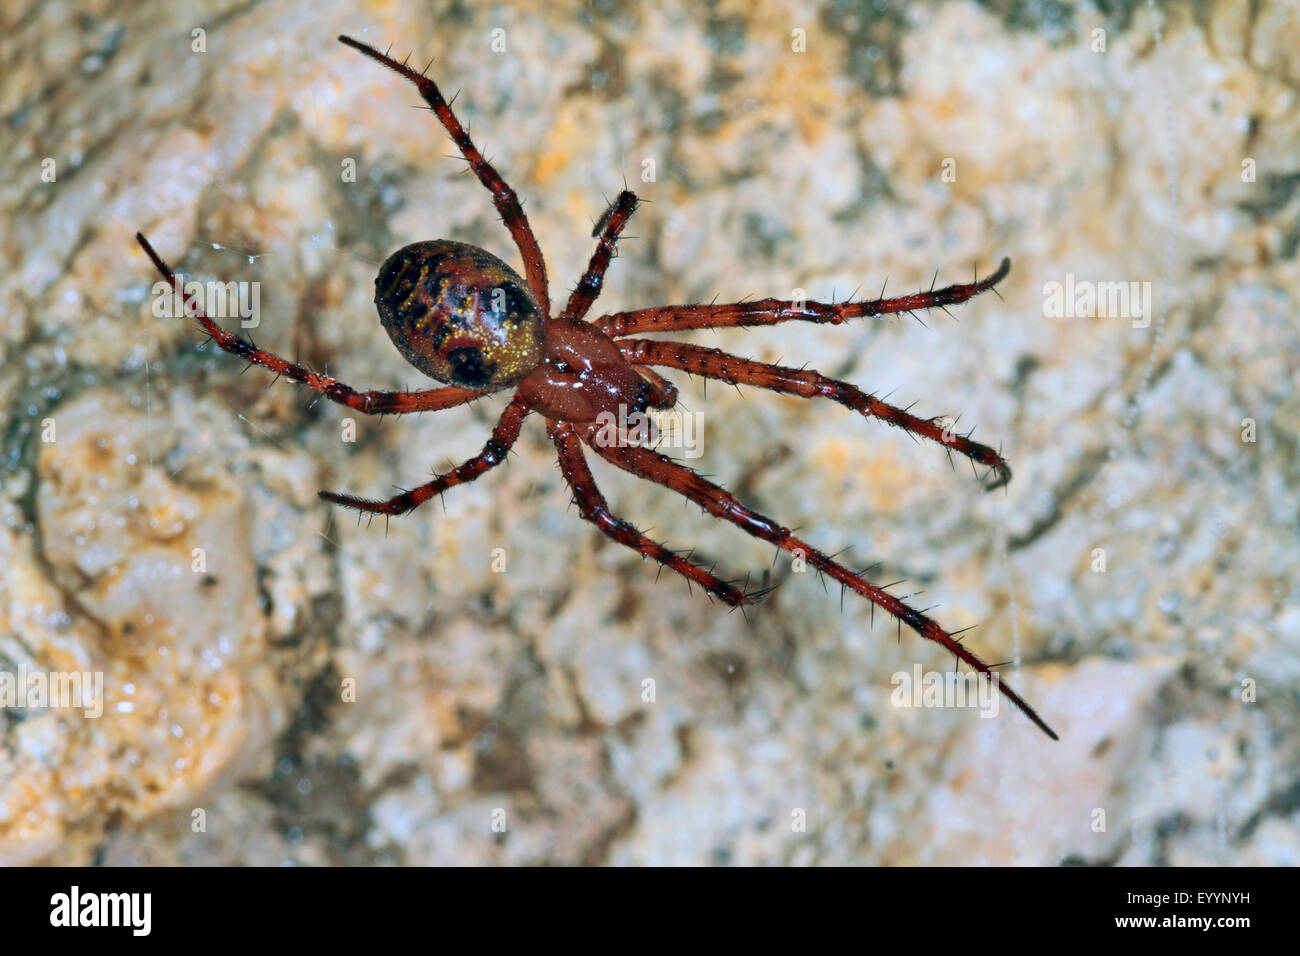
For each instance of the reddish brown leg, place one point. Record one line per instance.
(652, 466)
(593, 507)
(503, 197)
(371, 403)
(494, 452)
(665, 392)
(716, 364)
(675, 318)
(615, 218)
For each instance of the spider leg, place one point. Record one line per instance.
(503, 197)
(369, 403)
(716, 364)
(615, 218)
(675, 318)
(665, 392)
(720, 503)
(593, 507)
(504, 435)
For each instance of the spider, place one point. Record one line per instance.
(466, 319)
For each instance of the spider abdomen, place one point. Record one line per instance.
(460, 315)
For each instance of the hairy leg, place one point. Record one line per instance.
(665, 392)
(370, 403)
(675, 318)
(593, 507)
(716, 364)
(504, 435)
(611, 224)
(503, 197)
(720, 503)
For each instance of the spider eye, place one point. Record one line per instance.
(460, 315)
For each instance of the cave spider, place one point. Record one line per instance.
(465, 318)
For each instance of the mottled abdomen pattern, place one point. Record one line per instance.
(460, 315)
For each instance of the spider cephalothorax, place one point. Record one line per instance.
(465, 318)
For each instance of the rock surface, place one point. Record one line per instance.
(469, 684)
